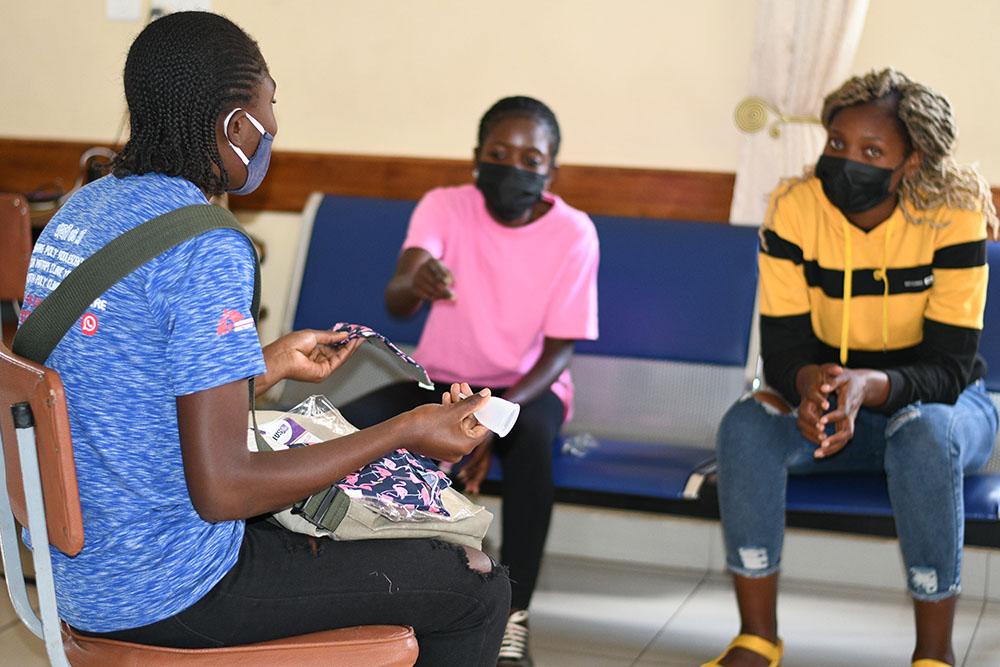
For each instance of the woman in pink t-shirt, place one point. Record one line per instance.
(510, 271)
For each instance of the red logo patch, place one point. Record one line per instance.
(88, 324)
(232, 320)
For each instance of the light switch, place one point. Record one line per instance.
(123, 10)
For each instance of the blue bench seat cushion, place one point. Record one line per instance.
(621, 467)
(989, 342)
(865, 494)
(662, 471)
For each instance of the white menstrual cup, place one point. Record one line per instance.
(497, 415)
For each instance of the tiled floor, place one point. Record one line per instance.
(600, 614)
(589, 613)
(18, 647)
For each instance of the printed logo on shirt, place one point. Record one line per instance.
(923, 282)
(232, 321)
(88, 324)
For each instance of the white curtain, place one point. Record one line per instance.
(803, 49)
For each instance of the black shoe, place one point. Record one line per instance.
(514, 647)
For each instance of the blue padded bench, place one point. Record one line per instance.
(351, 250)
(676, 307)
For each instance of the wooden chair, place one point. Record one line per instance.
(15, 253)
(41, 492)
(15, 246)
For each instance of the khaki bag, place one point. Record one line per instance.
(360, 522)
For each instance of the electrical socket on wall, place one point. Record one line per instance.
(123, 10)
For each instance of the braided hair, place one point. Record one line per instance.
(929, 126)
(521, 106)
(182, 72)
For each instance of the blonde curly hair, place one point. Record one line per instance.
(931, 129)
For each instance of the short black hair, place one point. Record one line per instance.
(182, 71)
(523, 106)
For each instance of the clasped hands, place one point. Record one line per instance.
(853, 389)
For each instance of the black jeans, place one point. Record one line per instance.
(288, 584)
(526, 458)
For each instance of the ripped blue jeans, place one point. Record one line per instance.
(924, 449)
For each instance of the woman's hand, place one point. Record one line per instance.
(854, 388)
(449, 431)
(308, 355)
(419, 277)
(432, 281)
(476, 468)
(814, 401)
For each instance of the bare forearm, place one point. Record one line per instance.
(400, 300)
(876, 385)
(255, 483)
(554, 360)
(419, 277)
(227, 481)
(271, 377)
(277, 368)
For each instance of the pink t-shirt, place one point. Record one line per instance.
(514, 286)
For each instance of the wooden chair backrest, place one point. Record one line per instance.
(15, 246)
(24, 382)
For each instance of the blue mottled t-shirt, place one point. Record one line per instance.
(177, 325)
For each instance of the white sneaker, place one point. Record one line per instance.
(514, 647)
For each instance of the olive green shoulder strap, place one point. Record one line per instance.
(53, 317)
(60, 310)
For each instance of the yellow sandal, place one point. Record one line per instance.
(761, 647)
(930, 662)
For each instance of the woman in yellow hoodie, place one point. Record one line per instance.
(872, 288)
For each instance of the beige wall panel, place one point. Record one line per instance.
(644, 83)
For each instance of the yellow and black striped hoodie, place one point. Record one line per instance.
(904, 298)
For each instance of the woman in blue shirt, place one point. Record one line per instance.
(156, 379)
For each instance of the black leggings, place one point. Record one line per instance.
(526, 458)
(288, 584)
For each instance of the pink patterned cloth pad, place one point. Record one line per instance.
(400, 478)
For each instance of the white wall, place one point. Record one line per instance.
(952, 47)
(649, 83)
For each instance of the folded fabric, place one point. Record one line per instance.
(400, 485)
(388, 350)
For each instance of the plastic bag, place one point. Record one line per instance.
(400, 486)
(579, 445)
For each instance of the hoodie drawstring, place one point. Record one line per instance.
(845, 317)
(880, 274)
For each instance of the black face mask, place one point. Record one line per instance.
(851, 186)
(509, 191)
